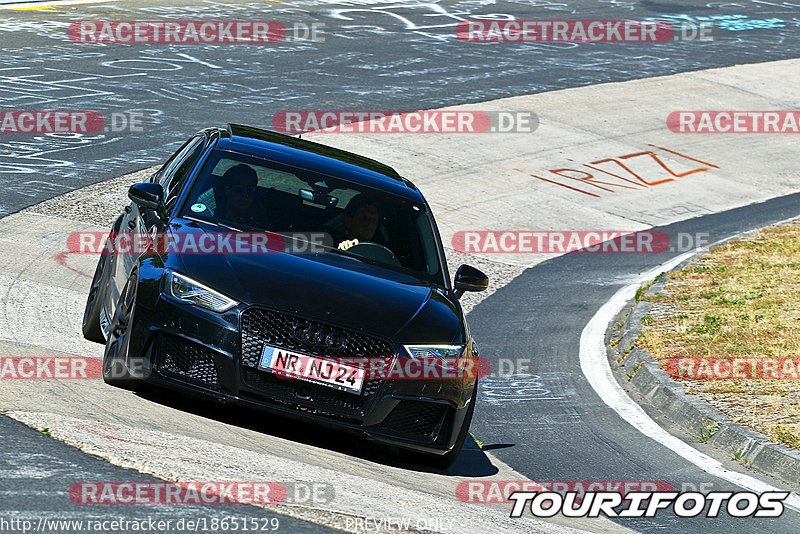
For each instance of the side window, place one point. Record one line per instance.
(179, 168)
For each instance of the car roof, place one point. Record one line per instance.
(316, 157)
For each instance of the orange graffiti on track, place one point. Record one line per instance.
(628, 179)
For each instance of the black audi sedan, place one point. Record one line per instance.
(273, 328)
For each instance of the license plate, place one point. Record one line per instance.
(289, 364)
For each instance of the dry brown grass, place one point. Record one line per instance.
(741, 299)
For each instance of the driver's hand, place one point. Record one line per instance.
(344, 245)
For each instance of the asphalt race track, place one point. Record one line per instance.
(543, 422)
(567, 427)
(32, 464)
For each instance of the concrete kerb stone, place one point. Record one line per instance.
(640, 370)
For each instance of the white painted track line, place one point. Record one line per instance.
(597, 370)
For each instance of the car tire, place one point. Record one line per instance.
(115, 370)
(92, 330)
(448, 459)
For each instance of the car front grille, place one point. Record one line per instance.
(415, 419)
(187, 361)
(267, 327)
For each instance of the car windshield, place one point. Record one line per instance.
(248, 193)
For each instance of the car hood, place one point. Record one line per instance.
(332, 288)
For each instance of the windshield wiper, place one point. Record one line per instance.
(345, 254)
(228, 226)
(217, 223)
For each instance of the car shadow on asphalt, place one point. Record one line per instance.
(472, 462)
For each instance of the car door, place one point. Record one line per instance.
(135, 225)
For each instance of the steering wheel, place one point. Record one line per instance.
(374, 251)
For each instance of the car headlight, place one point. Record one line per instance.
(184, 288)
(434, 351)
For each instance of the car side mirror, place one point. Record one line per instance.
(469, 278)
(148, 196)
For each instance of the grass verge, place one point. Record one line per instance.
(739, 301)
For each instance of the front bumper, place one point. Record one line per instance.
(187, 348)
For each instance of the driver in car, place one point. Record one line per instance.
(362, 216)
